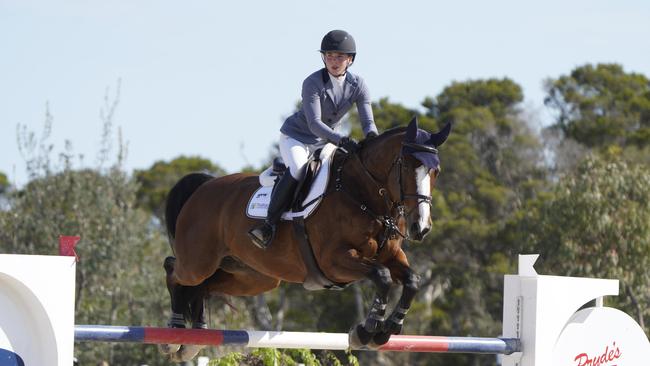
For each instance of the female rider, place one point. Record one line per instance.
(327, 95)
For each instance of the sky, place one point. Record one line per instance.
(217, 78)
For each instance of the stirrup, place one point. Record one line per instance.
(257, 235)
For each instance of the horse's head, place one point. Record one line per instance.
(407, 161)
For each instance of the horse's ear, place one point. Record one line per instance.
(439, 138)
(412, 130)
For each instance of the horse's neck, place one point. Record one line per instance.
(370, 171)
(380, 156)
(359, 182)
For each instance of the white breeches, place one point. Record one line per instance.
(295, 154)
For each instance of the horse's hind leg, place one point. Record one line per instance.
(177, 318)
(237, 279)
(187, 302)
(190, 300)
(197, 316)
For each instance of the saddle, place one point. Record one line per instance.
(308, 194)
(271, 176)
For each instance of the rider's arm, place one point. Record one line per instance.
(312, 109)
(364, 107)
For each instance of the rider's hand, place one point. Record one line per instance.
(349, 145)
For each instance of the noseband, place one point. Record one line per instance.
(391, 229)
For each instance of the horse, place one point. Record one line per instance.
(375, 199)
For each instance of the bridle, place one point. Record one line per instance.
(420, 197)
(390, 222)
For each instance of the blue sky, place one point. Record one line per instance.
(217, 78)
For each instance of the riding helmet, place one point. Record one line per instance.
(339, 41)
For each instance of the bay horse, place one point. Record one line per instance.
(375, 198)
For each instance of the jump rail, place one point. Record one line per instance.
(268, 339)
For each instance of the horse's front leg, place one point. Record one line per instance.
(362, 334)
(410, 285)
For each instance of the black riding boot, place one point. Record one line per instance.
(263, 235)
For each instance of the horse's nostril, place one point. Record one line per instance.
(418, 233)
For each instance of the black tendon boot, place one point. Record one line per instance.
(263, 235)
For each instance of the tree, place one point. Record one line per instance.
(500, 97)
(4, 190)
(119, 276)
(117, 282)
(4, 183)
(491, 164)
(601, 106)
(595, 223)
(156, 181)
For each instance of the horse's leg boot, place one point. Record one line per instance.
(263, 235)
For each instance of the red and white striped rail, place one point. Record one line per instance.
(268, 339)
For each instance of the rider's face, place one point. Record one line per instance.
(337, 62)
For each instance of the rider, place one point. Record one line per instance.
(327, 95)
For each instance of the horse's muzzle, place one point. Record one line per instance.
(416, 233)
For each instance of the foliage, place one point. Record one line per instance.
(494, 198)
(595, 223)
(285, 357)
(117, 280)
(231, 359)
(4, 183)
(500, 97)
(155, 182)
(5, 187)
(602, 106)
(491, 164)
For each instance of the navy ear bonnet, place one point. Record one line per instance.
(422, 145)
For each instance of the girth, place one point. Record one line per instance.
(316, 279)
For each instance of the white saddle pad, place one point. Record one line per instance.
(259, 202)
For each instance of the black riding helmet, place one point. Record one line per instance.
(339, 41)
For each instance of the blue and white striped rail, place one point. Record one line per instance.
(311, 340)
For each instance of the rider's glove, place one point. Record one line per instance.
(349, 145)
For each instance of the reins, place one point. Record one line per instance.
(391, 228)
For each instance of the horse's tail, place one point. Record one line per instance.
(177, 197)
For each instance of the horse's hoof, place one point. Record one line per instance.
(379, 339)
(392, 327)
(188, 352)
(358, 337)
(167, 349)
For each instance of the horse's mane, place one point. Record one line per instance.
(387, 134)
(393, 131)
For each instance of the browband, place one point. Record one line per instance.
(420, 147)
